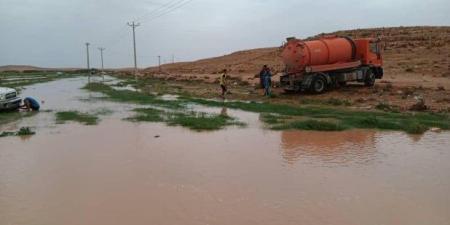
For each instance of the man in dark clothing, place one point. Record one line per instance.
(261, 76)
(223, 82)
(30, 104)
(267, 78)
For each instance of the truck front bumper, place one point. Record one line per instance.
(10, 104)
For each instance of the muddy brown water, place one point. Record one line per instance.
(118, 173)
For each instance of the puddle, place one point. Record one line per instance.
(66, 95)
(125, 88)
(24, 78)
(120, 172)
(169, 97)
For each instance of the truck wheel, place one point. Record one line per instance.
(370, 79)
(318, 85)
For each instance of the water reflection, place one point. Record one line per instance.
(224, 112)
(333, 147)
(26, 137)
(416, 137)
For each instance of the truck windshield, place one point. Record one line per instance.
(374, 47)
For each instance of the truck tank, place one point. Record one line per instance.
(297, 54)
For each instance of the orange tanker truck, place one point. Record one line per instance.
(330, 61)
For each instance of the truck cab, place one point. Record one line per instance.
(369, 51)
(9, 99)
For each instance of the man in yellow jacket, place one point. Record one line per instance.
(223, 82)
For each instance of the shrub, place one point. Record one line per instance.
(25, 131)
(414, 127)
(312, 125)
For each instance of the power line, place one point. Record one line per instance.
(169, 10)
(153, 12)
(120, 34)
(174, 4)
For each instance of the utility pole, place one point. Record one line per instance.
(87, 57)
(159, 63)
(134, 25)
(101, 56)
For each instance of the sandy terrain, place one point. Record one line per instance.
(416, 64)
(408, 50)
(19, 68)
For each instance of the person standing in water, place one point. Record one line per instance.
(30, 104)
(267, 77)
(261, 76)
(223, 82)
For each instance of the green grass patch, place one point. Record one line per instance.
(338, 102)
(193, 120)
(84, 118)
(7, 117)
(271, 118)
(311, 125)
(7, 133)
(414, 127)
(147, 115)
(125, 83)
(23, 131)
(386, 107)
(201, 121)
(104, 111)
(132, 96)
(18, 80)
(330, 101)
(347, 118)
(374, 122)
(313, 116)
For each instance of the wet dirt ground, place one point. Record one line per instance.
(119, 172)
(400, 91)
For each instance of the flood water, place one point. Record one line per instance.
(118, 172)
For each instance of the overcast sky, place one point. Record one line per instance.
(52, 33)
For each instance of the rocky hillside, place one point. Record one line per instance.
(247, 61)
(19, 68)
(27, 68)
(419, 50)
